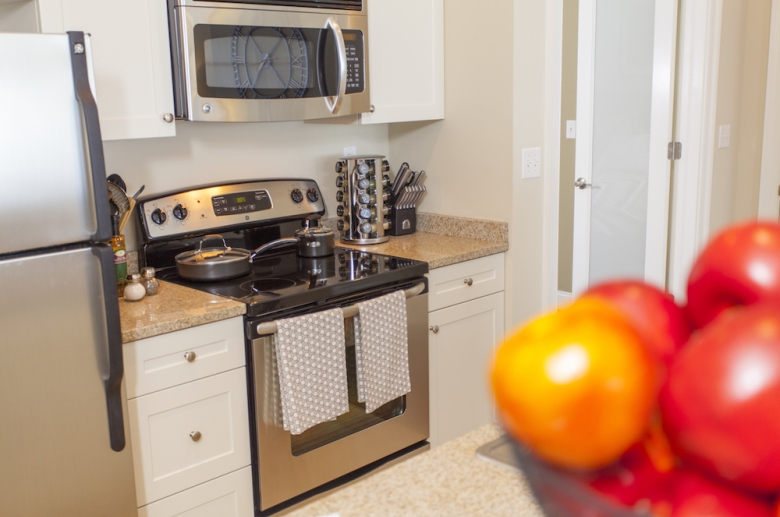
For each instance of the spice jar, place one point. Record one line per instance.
(134, 291)
(150, 283)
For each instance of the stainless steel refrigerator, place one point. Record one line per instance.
(64, 449)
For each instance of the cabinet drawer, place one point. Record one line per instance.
(228, 496)
(168, 456)
(172, 359)
(468, 280)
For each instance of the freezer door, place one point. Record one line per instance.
(48, 196)
(57, 454)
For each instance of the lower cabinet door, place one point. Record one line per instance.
(461, 345)
(190, 434)
(228, 496)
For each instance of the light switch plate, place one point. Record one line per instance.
(350, 151)
(571, 129)
(724, 136)
(532, 163)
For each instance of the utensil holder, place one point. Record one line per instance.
(363, 197)
(403, 221)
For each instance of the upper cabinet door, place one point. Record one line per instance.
(131, 58)
(406, 60)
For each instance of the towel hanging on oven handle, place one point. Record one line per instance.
(269, 328)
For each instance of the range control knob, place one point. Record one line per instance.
(159, 216)
(312, 195)
(180, 212)
(339, 196)
(296, 195)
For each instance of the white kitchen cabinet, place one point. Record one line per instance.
(131, 58)
(189, 422)
(227, 496)
(406, 60)
(462, 338)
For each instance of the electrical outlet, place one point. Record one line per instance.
(724, 137)
(350, 151)
(532, 166)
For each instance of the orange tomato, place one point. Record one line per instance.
(576, 386)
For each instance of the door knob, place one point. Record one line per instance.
(582, 184)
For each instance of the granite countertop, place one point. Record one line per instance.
(447, 481)
(173, 308)
(444, 240)
(439, 241)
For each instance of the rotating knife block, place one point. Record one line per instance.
(363, 194)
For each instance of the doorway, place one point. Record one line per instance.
(736, 164)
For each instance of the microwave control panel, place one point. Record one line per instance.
(356, 73)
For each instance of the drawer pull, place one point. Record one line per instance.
(435, 329)
(190, 356)
(469, 282)
(196, 436)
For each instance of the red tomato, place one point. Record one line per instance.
(720, 400)
(633, 480)
(659, 322)
(693, 495)
(740, 266)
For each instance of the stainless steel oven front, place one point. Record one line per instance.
(269, 60)
(287, 467)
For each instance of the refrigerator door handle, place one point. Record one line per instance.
(78, 59)
(113, 382)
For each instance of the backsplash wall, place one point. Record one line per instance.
(203, 153)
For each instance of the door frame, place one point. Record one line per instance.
(768, 195)
(699, 30)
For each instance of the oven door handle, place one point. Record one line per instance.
(341, 48)
(269, 328)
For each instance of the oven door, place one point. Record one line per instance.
(252, 65)
(292, 465)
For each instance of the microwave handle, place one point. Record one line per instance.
(341, 48)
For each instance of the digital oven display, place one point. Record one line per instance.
(241, 203)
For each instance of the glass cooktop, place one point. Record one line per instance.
(284, 280)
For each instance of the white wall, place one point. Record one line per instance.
(741, 96)
(204, 153)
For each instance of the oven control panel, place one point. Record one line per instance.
(220, 207)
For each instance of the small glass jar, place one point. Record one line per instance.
(134, 290)
(150, 283)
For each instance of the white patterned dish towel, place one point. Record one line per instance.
(382, 350)
(312, 368)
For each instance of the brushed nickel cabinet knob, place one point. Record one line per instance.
(469, 282)
(190, 356)
(196, 436)
(435, 329)
(168, 117)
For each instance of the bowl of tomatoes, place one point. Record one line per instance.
(628, 403)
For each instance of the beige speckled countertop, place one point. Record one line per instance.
(447, 481)
(173, 308)
(444, 240)
(440, 241)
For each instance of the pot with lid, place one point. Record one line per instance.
(211, 264)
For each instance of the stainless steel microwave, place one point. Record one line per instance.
(269, 60)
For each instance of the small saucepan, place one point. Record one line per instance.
(312, 243)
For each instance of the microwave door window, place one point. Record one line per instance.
(239, 62)
(244, 62)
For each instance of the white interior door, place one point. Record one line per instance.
(625, 101)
